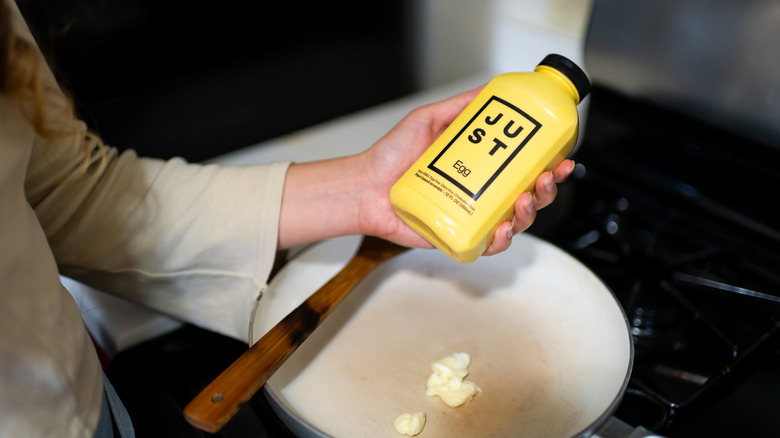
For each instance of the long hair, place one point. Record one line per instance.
(21, 78)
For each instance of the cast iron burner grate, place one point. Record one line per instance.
(699, 299)
(697, 276)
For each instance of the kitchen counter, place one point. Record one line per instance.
(345, 135)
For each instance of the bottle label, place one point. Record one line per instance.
(483, 148)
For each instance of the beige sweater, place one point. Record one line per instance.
(196, 242)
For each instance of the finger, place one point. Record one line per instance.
(442, 113)
(404, 235)
(563, 171)
(501, 240)
(545, 190)
(525, 213)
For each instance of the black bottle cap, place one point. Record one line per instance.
(571, 70)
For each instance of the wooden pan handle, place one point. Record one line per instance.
(223, 397)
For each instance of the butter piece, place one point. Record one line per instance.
(447, 380)
(410, 424)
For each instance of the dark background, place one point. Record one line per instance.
(197, 79)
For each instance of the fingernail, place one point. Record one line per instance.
(528, 203)
(549, 183)
(509, 234)
(570, 170)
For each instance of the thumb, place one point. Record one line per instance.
(440, 114)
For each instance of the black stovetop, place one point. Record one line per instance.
(681, 221)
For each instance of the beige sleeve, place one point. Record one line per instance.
(194, 241)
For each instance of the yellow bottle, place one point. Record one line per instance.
(465, 185)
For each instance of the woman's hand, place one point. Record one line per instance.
(350, 195)
(527, 205)
(392, 155)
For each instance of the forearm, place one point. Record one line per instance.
(320, 200)
(350, 195)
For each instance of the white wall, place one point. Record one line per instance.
(452, 40)
(457, 39)
(525, 31)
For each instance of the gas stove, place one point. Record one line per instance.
(680, 220)
(674, 205)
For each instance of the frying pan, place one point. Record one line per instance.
(550, 345)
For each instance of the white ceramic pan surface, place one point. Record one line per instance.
(549, 343)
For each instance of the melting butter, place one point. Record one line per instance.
(448, 380)
(410, 424)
